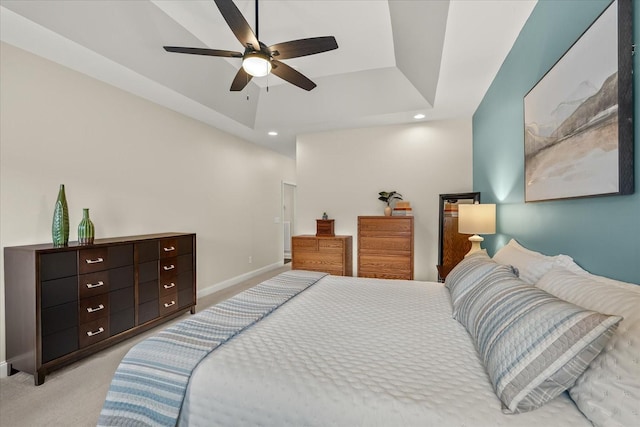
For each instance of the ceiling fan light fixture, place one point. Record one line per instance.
(256, 64)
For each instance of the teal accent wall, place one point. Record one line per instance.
(602, 234)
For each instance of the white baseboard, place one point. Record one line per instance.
(4, 366)
(238, 279)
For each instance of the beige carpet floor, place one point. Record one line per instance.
(73, 395)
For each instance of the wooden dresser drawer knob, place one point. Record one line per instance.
(94, 261)
(168, 267)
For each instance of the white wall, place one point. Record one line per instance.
(138, 167)
(342, 172)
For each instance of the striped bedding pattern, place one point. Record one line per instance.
(533, 345)
(149, 385)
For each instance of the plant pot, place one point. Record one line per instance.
(387, 211)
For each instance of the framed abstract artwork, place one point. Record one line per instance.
(578, 119)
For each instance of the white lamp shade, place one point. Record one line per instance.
(256, 64)
(477, 218)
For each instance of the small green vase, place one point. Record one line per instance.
(86, 231)
(60, 224)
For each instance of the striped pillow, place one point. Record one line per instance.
(533, 345)
(466, 274)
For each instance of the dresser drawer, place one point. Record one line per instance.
(148, 291)
(58, 291)
(58, 318)
(330, 245)
(148, 271)
(56, 265)
(303, 244)
(316, 263)
(93, 284)
(185, 298)
(92, 332)
(385, 226)
(122, 277)
(147, 251)
(120, 255)
(93, 308)
(168, 303)
(121, 321)
(92, 260)
(121, 299)
(168, 268)
(148, 311)
(168, 287)
(388, 245)
(168, 248)
(59, 344)
(387, 267)
(185, 280)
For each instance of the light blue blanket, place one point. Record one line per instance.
(149, 385)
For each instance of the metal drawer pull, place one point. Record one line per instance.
(169, 304)
(169, 249)
(95, 285)
(99, 331)
(168, 267)
(98, 308)
(94, 261)
(169, 286)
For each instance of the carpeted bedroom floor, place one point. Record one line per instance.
(73, 396)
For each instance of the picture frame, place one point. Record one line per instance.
(578, 118)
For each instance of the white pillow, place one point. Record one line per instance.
(531, 265)
(608, 392)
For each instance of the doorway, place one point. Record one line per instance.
(288, 217)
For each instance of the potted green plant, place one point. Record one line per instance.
(388, 197)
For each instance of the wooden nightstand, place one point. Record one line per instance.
(330, 254)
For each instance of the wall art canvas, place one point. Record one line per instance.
(577, 139)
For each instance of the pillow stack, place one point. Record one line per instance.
(608, 393)
(534, 346)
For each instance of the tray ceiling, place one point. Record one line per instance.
(395, 58)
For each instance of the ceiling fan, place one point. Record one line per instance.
(259, 59)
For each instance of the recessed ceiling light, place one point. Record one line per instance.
(419, 116)
(273, 133)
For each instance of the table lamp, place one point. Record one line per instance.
(476, 219)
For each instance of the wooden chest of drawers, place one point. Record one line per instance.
(65, 303)
(385, 247)
(333, 255)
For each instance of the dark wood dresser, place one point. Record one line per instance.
(330, 254)
(385, 247)
(65, 303)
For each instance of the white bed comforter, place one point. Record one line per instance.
(356, 352)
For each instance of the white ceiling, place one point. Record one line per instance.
(395, 58)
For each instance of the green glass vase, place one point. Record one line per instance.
(86, 230)
(60, 225)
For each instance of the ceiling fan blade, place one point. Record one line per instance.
(241, 80)
(287, 73)
(201, 51)
(303, 47)
(237, 23)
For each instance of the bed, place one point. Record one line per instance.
(345, 351)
